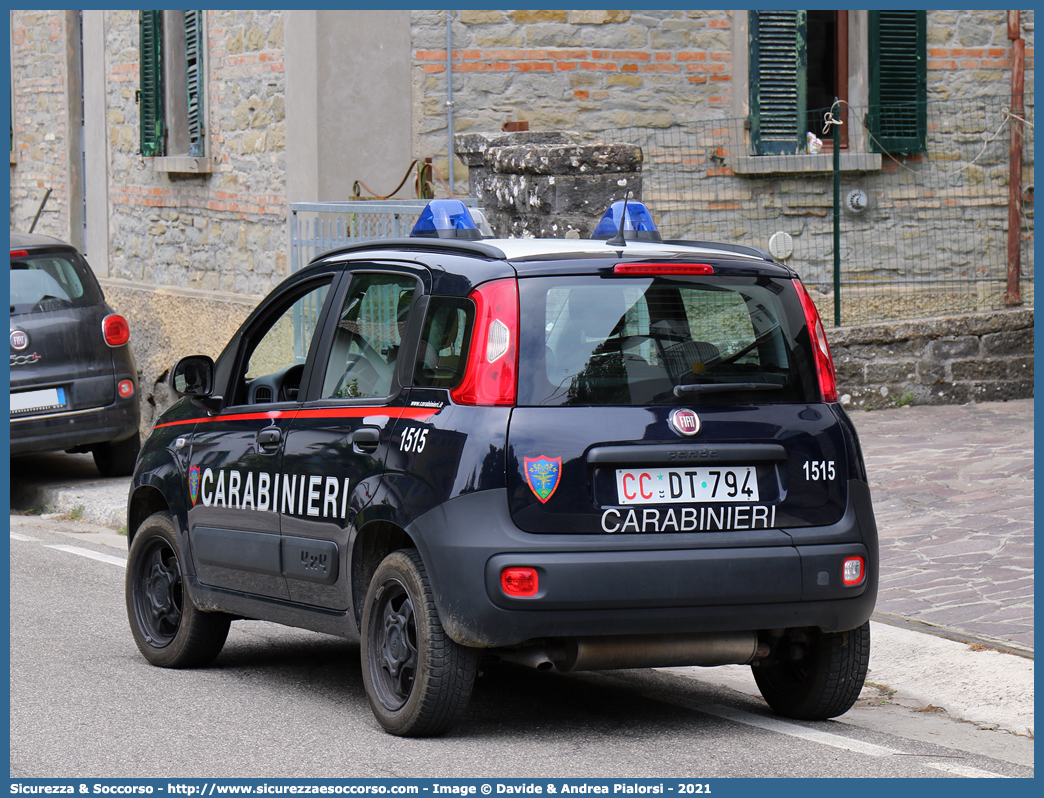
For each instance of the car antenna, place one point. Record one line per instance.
(618, 239)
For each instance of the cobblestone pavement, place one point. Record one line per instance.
(953, 496)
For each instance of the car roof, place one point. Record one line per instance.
(520, 250)
(27, 240)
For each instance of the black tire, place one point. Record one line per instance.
(825, 682)
(169, 630)
(117, 459)
(418, 681)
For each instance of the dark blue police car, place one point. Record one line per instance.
(572, 454)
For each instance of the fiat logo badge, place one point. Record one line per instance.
(684, 422)
(19, 340)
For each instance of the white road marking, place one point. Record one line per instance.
(793, 730)
(964, 771)
(16, 536)
(94, 555)
(834, 740)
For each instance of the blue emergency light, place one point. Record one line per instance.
(637, 226)
(446, 218)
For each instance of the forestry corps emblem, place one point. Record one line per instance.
(542, 474)
(194, 484)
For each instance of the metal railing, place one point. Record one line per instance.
(317, 227)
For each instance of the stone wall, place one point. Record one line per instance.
(547, 185)
(567, 70)
(223, 231)
(978, 357)
(39, 157)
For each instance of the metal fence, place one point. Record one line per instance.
(920, 235)
(316, 227)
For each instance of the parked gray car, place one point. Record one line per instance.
(74, 383)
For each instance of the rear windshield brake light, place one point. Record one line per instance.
(19, 253)
(654, 269)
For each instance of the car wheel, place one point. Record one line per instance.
(417, 679)
(117, 459)
(167, 627)
(823, 680)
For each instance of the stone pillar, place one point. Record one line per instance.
(552, 185)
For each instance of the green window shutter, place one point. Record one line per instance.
(778, 68)
(194, 81)
(898, 81)
(150, 101)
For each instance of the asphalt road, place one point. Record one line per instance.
(286, 703)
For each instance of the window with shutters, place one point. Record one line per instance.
(172, 90)
(799, 63)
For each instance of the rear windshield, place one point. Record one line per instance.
(50, 281)
(649, 341)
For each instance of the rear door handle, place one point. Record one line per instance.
(268, 439)
(366, 439)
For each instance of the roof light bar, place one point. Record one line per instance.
(638, 225)
(446, 218)
(661, 269)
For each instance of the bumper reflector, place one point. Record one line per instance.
(519, 582)
(126, 389)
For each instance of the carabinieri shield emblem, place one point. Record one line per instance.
(542, 474)
(194, 484)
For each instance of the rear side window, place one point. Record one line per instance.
(50, 282)
(443, 351)
(647, 341)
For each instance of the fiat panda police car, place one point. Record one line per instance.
(570, 454)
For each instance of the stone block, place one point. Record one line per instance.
(978, 370)
(1016, 342)
(477, 17)
(1020, 368)
(950, 349)
(897, 373)
(564, 160)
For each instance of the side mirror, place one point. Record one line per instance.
(193, 376)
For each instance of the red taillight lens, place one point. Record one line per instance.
(19, 253)
(492, 370)
(853, 569)
(520, 582)
(665, 269)
(126, 389)
(824, 363)
(116, 330)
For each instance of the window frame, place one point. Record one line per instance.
(172, 89)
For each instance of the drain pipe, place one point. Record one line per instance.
(449, 90)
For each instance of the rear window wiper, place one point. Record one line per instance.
(722, 387)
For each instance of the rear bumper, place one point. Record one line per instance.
(68, 430)
(641, 584)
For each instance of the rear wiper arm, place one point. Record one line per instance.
(722, 387)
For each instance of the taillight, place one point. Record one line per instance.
(853, 569)
(115, 329)
(824, 363)
(666, 269)
(125, 389)
(19, 253)
(491, 374)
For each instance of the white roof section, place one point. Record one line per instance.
(536, 247)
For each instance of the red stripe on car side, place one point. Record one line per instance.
(415, 413)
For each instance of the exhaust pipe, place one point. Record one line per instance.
(706, 649)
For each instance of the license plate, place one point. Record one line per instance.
(670, 485)
(35, 401)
